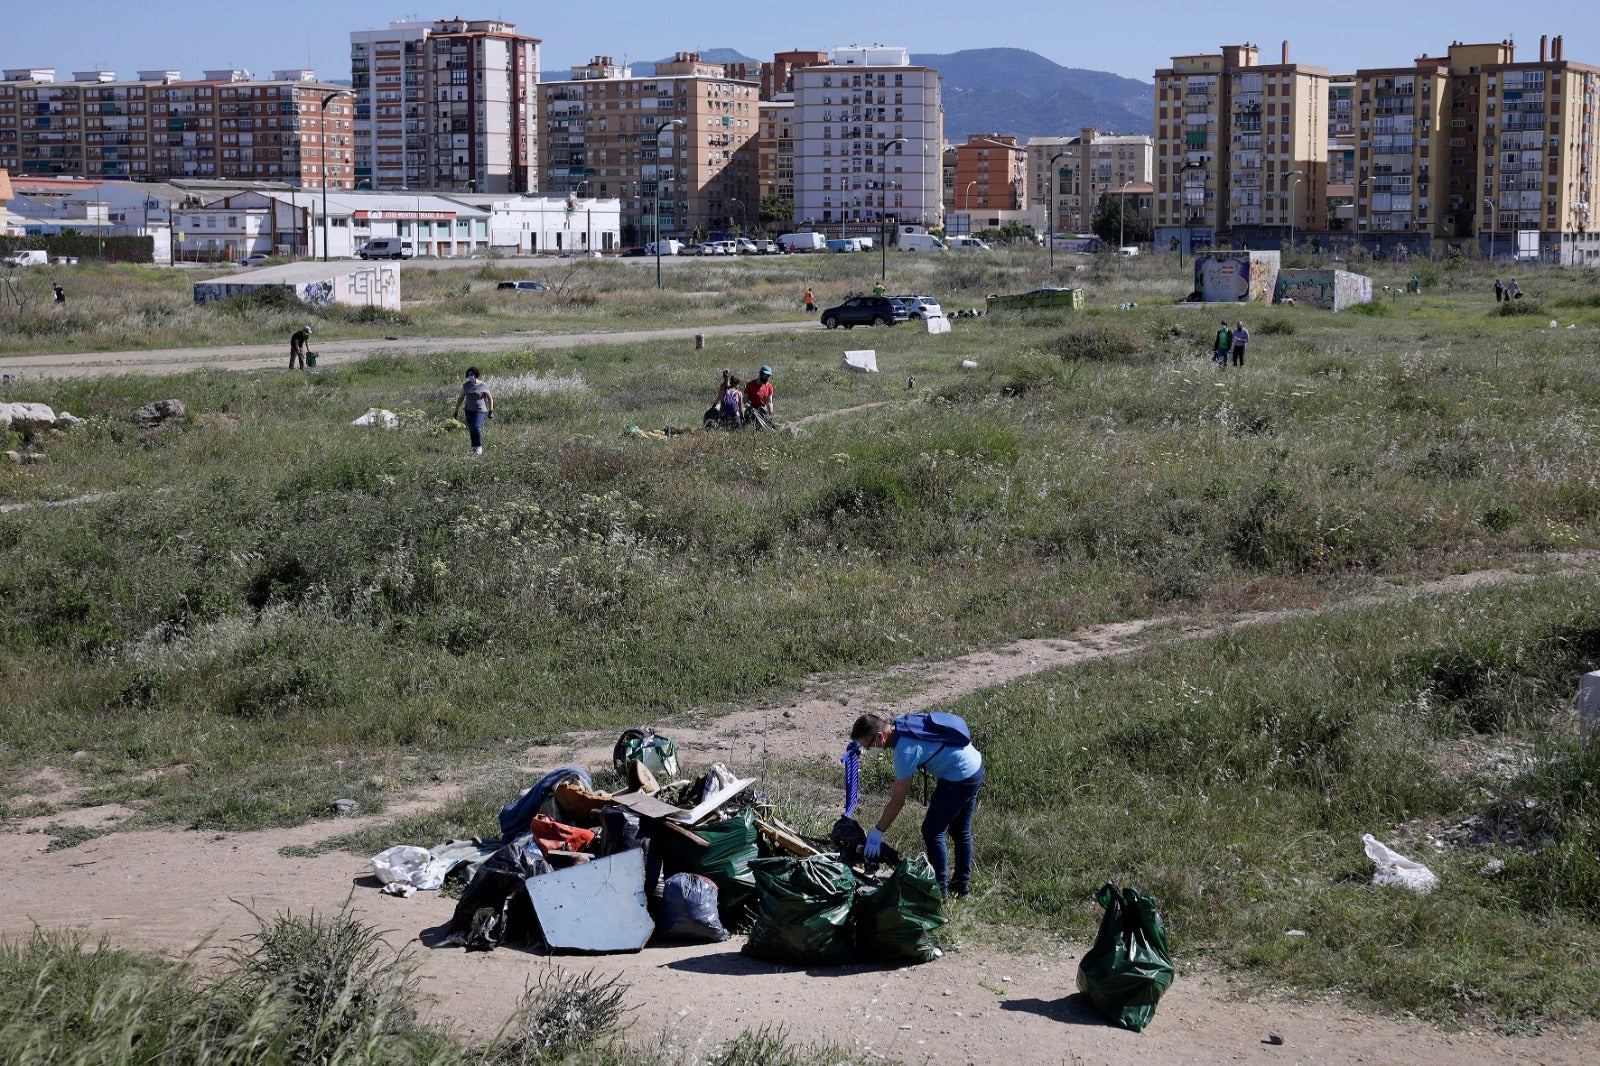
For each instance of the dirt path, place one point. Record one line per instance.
(268, 356)
(175, 890)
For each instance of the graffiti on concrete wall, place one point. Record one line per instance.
(1236, 277)
(1330, 290)
(378, 285)
(372, 284)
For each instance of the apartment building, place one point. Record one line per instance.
(991, 173)
(1478, 145)
(869, 132)
(776, 149)
(681, 141)
(1086, 167)
(450, 104)
(1241, 148)
(225, 126)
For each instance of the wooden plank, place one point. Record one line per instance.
(785, 839)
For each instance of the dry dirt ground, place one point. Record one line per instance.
(268, 356)
(182, 891)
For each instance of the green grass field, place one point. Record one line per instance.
(288, 606)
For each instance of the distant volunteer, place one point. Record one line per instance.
(941, 744)
(479, 401)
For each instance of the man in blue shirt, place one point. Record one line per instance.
(958, 770)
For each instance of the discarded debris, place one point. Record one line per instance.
(1394, 868)
(377, 416)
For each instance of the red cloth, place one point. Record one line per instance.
(552, 835)
(757, 393)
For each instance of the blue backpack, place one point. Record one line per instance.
(939, 727)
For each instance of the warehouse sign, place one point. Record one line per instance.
(411, 216)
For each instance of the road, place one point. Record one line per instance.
(266, 356)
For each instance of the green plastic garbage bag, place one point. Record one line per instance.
(730, 848)
(804, 914)
(1129, 966)
(894, 921)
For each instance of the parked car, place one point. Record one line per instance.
(923, 307)
(768, 248)
(252, 261)
(861, 311)
(523, 286)
(635, 252)
(592, 253)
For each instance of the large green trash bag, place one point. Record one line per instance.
(804, 914)
(894, 921)
(1129, 966)
(730, 848)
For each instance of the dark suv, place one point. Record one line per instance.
(862, 311)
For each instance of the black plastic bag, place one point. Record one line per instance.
(894, 921)
(730, 847)
(804, 914)
(1129, 966)
(849, 840)
(495, 907)
(619, 831)
(689, 910)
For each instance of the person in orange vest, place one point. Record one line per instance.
(811, 304)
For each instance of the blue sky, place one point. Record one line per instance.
(1131, 37)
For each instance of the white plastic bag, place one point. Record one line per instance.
(377, 416)
(403, 864)
(1394, 868)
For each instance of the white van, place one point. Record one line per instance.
(668, 247)
(921, 242)
(385, 248)
(845, 244)
(1128, 251)
(30, 258)
(966, 244)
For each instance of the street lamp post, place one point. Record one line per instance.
(659, 128)
(1294, 176)
(1050, 210)
(1488, 202)
(326, 100)
(883, 189)
(1122, 212)
(1183, 208)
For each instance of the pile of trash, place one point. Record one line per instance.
(578, 869)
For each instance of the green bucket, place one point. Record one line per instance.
(311, 359)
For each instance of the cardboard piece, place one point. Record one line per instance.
(864, 359)
(596, 907)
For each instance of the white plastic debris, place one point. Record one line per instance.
(399, 888)
(1553, 324)
(403, 864)
(864, 359)
(1394, 868)
(969, 364)
(377, 416)
(937, 324)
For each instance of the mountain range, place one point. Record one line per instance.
(1010, 91)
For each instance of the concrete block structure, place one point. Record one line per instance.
(1329, 290)
(1236, 277)
(316, 284)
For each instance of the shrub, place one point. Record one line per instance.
(1100, 343)
(1524, 306)
(562, 1015)
(1276, 327)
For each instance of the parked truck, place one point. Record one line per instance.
(802, 242)
(921, 242)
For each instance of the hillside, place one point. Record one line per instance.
(1012, 90)
(1008, 90)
